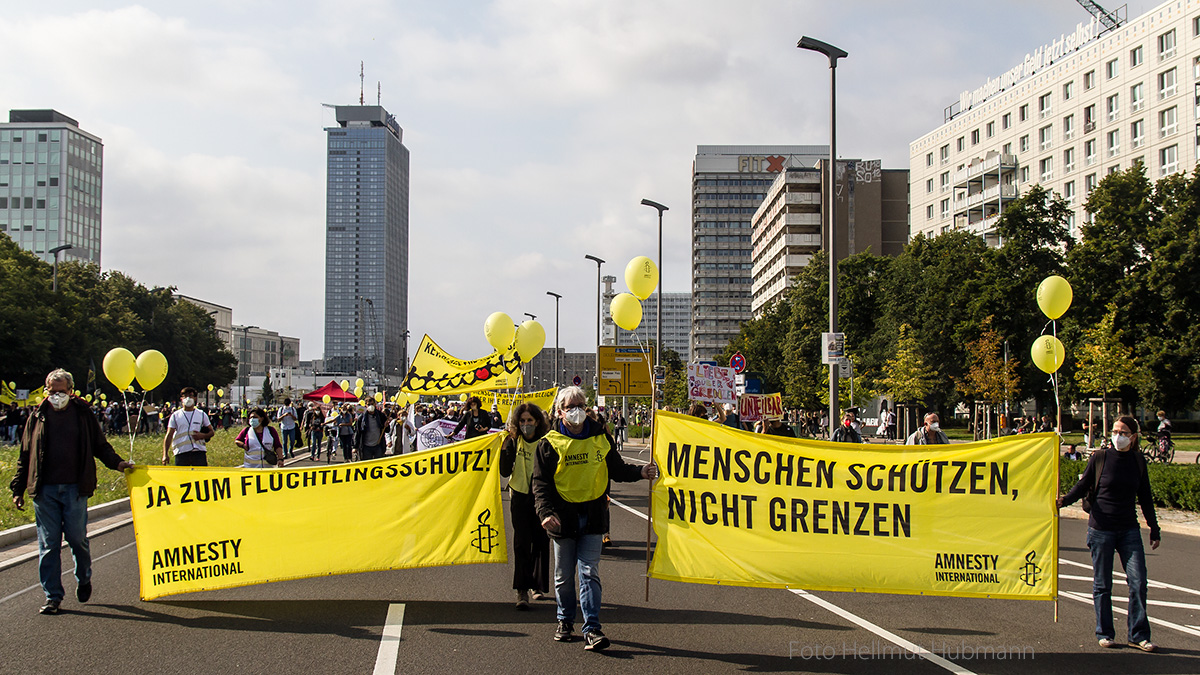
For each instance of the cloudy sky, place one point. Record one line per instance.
(535, 128)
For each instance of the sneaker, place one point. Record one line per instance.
(606, 541)
(522, 599)
(84, 592)
(1107, 643)
(595, 641)
(537, 595)
(1145, 645)
(563, 632)
(51, 607)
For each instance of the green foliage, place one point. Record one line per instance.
(989, 377)
(93, 312)
(1104, 364)
(905, 375)
(268, 392)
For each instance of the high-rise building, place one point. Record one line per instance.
(366, 245)
(729, 183)
(872, 215)
(1084, 105)
(51, 175)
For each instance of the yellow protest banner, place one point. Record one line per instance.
(505, 402)
(435, 372)
(971, 520)
(200, 528)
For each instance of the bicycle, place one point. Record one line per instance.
(1161, 449)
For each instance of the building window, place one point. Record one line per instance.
(1113, 106)
(945, 208)
(1046, 136)
(929, 159)
(1111, 69)
(1137, 134)
(945, 153)
(991, 129)
(1044, 106)
(1047, 169)
(1166, 45)
(1023, 113)
(1089, 79)
(1135, 57)
(962, 143)
(1068, 127)
(1167, 122)
(1006, 120)
(1023, 143)
(929, 212)
(1137, 97)
(975, 137)
(1089, 119)
(1068, 90)
(1068, 160)
(929, 186)
(945, 181)
(1069, 192)
(1089, 183)
(1168, 160)
(1006, 149)
(1166, 84)
(1114, 142)
(1112, 169)
(1024, 174)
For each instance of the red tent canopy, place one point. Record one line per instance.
(333, 390)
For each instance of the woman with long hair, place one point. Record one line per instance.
(531, 546)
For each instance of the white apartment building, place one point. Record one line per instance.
(1076, 109)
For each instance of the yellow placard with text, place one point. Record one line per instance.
(505, 402)
(202, 528)
(971, 520)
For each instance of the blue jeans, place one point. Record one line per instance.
(289, 437)
(583, 552)
(60, 511)
(1128, 545)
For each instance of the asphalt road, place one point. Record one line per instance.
(462, 619)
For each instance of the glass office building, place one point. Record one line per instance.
(366, 245)
(50, 185)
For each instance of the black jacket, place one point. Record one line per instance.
(360, 427)
(547, 502)
(477, 424)
(92, 445)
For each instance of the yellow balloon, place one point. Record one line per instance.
(103, 397)
(1054, 296)
(119, 367)
(150, 368)
(358, 384)
(344, 384)
(498, 330)
(413, 398)
(462, 397)
(626, 311)
(76, 392)
(530, 339)
(325, 399)
(358, 391)
(379, 397)
(641, 276)
(210, 387)
(220, 393)
(88, 398)
(1048, 353)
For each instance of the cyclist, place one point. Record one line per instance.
(1165, 444)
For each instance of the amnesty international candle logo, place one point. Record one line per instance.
(484, 535)
(1031, 573)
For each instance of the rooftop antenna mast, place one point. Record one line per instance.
(360, 84)
(1110, 20)
(378, 93)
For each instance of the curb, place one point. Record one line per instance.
(22, 533)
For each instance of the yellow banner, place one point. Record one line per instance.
(971, 520)
(504, 402)
(435, 372)
(203, 528)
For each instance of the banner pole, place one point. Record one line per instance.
(650, 504)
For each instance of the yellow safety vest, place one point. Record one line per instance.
(522, 471)
(582, 473)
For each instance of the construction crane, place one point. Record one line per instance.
(370, 333)
(1110, 20)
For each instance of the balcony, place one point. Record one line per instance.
(975, 171)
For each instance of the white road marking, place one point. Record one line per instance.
(70, 571)
(389, 644)
(1117, 575)
(12, 562)
(851, 617)
(1087, 600)
(1161, 603)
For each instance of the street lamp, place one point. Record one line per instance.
(596, 372)
(833, 53)
(658, 311)
(55, 251)
(531, 317)
(557, 297)
(245, 339)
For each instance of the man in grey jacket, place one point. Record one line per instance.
(930, 434)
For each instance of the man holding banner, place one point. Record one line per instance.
(574, 464)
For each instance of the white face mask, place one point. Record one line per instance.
(370, 408)
(254, 422)
(575, 416)
(934, 426)
(58, 400)
(1120, 442)
(189, 402)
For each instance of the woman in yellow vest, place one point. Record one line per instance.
(531, 547)
(572, 468)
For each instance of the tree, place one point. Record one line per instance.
(989, 378)
(905, 375)
(1104, 363)
(268, 392)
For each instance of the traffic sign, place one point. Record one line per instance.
(624, 371)
(577, 381)
(737, 362)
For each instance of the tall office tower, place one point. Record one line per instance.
(729, 183)
(51, 175)
(366, 245)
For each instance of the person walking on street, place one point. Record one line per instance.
(188, 430)
(930, 434)
(56, 467)
(847, 433)
(476, 421)
(287, 427)
(1114, 481)
(531, 546)
(314, 425)
(345, 432)
(368, 432)
(260, 442)
(572, 469)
